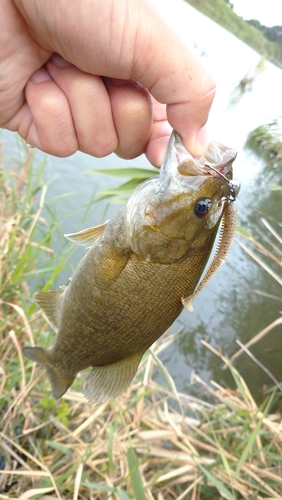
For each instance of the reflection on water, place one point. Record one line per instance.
(246, 83)
(228, 308)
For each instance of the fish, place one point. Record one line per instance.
(140, 270)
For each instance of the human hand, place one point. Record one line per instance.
(93, 102)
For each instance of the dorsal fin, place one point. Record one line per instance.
(50, 303)
(87, 236)
(227, 231)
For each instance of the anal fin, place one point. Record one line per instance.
(108, 382)
(50, 303)
(87, 236)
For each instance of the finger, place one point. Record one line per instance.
(89, 105)
(187, 90)
(159, 137)
(157, 145)
(45, 120)
(179, 81)
(20, 56)
(132, 113)
(159, 111)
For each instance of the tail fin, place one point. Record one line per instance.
(42, 356)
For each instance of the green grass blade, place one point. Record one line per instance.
(60, 447)
(218, 484)
(123, 495)
(136, 173)
(136, 480)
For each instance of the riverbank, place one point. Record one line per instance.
(223, 14)
(153, 442)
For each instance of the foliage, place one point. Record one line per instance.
(267, 139)
(272, 33)
(222, 13)
(134, 175)
(25, 236)
(152, 442)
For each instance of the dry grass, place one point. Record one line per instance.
(151, 443)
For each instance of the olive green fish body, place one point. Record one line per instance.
(123, 313)
(129, 287)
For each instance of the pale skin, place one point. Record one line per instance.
(99, 76)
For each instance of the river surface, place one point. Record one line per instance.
(228, 308)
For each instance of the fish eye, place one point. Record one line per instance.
(202, 207)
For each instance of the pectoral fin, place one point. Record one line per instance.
(87, 236)
(108, 382)
(50, 303)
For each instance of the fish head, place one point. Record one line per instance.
(182, 208)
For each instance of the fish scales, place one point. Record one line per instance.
(132, 283)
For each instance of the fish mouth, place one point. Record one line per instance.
(219, 157)
(217, 161)
(179, 161)
(181, 168)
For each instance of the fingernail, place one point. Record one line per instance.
(59, 61)
(41, 75)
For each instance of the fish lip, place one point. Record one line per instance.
(224, 165)
(180, 167)
(217, 156)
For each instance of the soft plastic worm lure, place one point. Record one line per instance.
(226, 235)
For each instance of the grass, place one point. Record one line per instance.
(134, 177)
(151, 443)
(267, 140)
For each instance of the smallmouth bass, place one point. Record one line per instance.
(141, 269)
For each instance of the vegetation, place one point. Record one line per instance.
(151, 443)
(267, 140)
(134, 177)
(221, 11)
(272, 33)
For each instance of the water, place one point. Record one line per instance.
(227, 309)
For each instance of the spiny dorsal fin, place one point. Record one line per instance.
(87, 236)
(108, 382)
(50, 303)
(227, 231)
